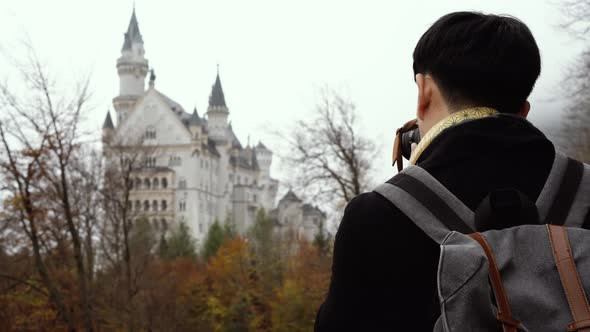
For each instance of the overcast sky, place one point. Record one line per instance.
(273, 55)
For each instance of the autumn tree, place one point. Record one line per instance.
(575, 133)
(125, 159)
(331, 159)
(41, 138)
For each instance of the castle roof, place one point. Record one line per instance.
(132, 34)
(195, 120)
(291, 197)
(312, 209)
(235, 142)
(261, 146)
(217, 97)
(108, 122)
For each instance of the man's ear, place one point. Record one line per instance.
(524, 110)
(424, 95)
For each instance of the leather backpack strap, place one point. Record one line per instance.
(570, 279)
(509, 324)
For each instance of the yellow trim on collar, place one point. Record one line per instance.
(449, 121)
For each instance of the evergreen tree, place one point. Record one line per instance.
(265, 247)
(181, 243)
(163, 247)
(321, 240)
(229, 228)
(214, 240)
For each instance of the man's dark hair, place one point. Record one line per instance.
(480, 60)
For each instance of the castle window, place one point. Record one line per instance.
(137, 205)
(151, 162)
(182, 206)
(174, 161)
(164, 224)
(137, 183)
(146, 183)
(200, 227)
(254, 198)
(146, 205)
(181, 183)
(150, 132)
(155, 183)
(164, 205)
(155, 223)
(164, 183)
(154, 205)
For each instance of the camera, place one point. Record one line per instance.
(402, 145)
(407, 138)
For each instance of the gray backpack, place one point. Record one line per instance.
(526, 278)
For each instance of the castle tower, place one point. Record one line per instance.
(107, 129)
(132, 68)
(264, 157)
(217, 112)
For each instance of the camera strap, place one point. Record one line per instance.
(451, 120)
(397, 156)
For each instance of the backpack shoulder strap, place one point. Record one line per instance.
(581, 206)
(564, 199)
(431, 206)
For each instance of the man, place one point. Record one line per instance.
(467, 66)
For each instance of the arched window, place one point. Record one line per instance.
(164, 183)
(164, 224)
(137, 183)
(182, 205)
(146, 205)
(155, 223)
(155, 183)
(146, 183)
(154, 205)
(150, 132)
(181, 183)
(137, 205)
(164, 205)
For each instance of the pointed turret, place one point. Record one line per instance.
(217, 98)
(132, 68)
(132, 35)
(195, 120)
(108, 122)
(217, 113)
(107, 128)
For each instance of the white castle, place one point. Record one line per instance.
(199, 171)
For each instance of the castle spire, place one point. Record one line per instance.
(152, 77)
(108, 122)
(132, 35)
(217, 97)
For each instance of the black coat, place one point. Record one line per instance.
(384, 266)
